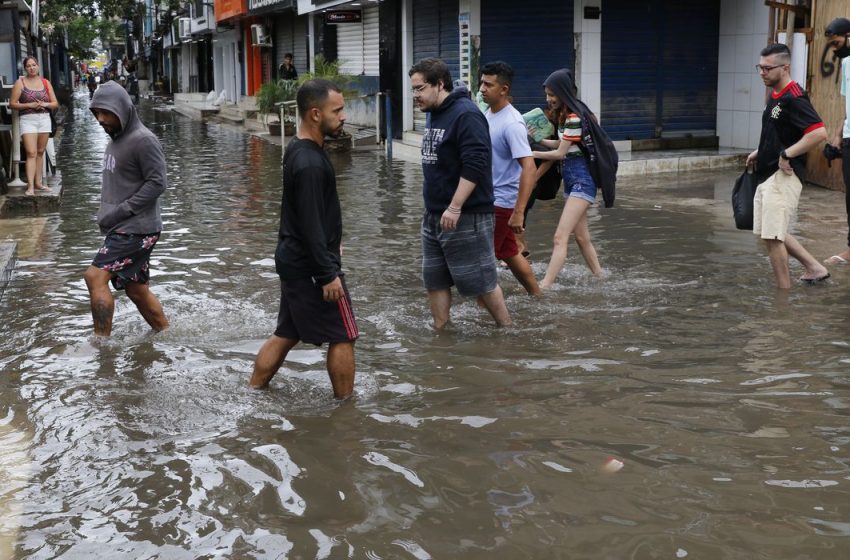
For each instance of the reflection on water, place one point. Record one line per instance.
(726, 402)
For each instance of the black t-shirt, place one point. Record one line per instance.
(310, 216)
(787, 117)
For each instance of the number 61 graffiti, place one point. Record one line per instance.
(828, 67)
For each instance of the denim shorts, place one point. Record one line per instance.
(463, 257)
(577, 179)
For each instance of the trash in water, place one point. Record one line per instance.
(612, 465)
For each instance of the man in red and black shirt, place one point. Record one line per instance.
(790, 128)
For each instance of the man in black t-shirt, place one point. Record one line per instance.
(790, 128)
(315, 305)
(286, 70)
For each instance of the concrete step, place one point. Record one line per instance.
(197, 111)
(16, 202)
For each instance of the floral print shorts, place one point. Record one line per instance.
(127, 257)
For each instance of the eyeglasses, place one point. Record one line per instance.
(417, 90)
(765, 69)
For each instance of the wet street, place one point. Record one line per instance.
(726, 401)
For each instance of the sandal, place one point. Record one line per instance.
(42, 188)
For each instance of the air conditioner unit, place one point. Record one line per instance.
(259, 36)
(184, 28)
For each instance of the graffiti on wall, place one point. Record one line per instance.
(829, 65)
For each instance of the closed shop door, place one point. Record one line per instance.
(661, 80)
(291, 37)
(436, 33)
(357, 44)
(546, 25)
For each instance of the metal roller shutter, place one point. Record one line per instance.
(291, 37)
(435, 34)
(546, 25)
(357, 44)
(663, 79)
(371, 37)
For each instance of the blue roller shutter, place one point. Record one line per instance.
(659, 68)
(535, 39)
(436, 33)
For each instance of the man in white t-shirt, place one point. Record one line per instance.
(513, 169)
(838, 36)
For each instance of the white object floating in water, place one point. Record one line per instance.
(612, 465)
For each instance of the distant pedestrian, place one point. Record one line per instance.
(513, 169)
(315, 306)
(133, 179)
(457, 228)
(838, 36)
(286, 70)
(582, 147)
(34, 98)
(790, 128)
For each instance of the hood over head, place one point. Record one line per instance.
(112, 97)
(563, 85)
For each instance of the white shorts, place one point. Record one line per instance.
(775, 205)
(35, 123)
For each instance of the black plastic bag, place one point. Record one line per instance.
(549, 184)
(742, 199)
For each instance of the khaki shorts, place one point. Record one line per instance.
(775, 205)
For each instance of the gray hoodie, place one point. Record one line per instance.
(133, 175)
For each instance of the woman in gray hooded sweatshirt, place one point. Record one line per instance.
(133, 178)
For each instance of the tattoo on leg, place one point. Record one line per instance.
(102, 316)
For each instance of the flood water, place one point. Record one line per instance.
(726, 401)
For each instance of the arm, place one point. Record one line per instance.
(551, 143)
(152, 165)
(526, 185)
(309, 206)
(556, 154)
(809, 141)
(542, 169)
(475, 157)
(16, 96)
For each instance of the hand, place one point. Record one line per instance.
(332, 291)
(836, 141)
(751, 159)
(785, 166)
(517, 222)
(449, 220)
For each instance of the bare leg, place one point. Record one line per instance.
(778, 255)
(441, 303)
(41, 146)
(522, 271)
(31, 149)
(148, 305)
(585, 245)
(814, 269)
(574, 210)
(341, 368)
(102, 302)
(269, 359)
(495, 304)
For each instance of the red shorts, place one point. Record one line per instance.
(504, 240)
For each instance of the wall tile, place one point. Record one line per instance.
(724, 128)
(725, 91)
(744, 16)
(740, 129)
(741, 93)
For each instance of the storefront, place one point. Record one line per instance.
(541, 44)
(226, 48)
(659, 68)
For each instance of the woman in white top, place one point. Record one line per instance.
(33, 97)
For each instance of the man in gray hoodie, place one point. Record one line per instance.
(133, 178)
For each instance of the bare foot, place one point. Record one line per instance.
(29, 192)
(42, 188)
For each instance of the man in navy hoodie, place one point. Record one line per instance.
(457, 228)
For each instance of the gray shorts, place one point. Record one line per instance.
(463, 258)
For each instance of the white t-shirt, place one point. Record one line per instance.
(845, 91)
(509, 138)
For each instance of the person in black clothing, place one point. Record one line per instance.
(286, 70)
(315, 306)
(790, 127)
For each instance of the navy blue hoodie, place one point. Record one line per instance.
(456, 144)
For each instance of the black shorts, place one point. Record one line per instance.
(127, 257)
(304, 315)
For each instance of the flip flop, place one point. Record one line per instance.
(815, 280)
(836, 259)
(42, 188)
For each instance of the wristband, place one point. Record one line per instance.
(453, 210)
